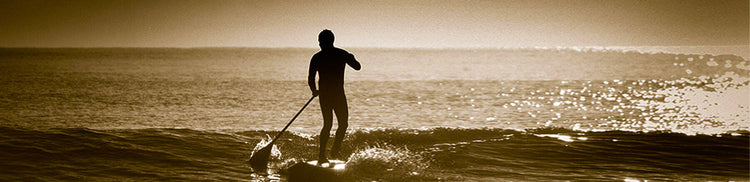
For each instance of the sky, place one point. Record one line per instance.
(373, 23)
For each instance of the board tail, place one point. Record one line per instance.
(306, 172)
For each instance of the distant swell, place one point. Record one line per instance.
(77, 154)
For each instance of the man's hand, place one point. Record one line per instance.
(315, 93)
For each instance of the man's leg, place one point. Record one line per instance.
(325, 133)
(342, 116)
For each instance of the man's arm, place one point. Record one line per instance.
(353, 62)
(311, 76)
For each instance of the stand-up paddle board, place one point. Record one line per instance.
(336, 165)
(311, 171)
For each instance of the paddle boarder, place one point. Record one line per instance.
(329, 64)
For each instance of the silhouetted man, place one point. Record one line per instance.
(329, 63)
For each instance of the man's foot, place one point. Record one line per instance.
(322, 161)
(335, 155)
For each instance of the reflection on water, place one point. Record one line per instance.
(703, 105)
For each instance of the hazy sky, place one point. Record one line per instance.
(373, 23)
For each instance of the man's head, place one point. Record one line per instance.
(325, 38)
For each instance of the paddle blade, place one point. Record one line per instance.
(259, 160)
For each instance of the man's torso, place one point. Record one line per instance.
(331, 64)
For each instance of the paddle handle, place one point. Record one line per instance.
(290, 122)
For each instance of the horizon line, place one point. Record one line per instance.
(358, 47)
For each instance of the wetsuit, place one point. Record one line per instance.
(329, 64)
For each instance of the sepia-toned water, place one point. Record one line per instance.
(531, 114)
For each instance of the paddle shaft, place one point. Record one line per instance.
(290, 122)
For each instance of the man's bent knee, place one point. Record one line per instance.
(343, 125)
(327, 126)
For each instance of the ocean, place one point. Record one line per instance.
(506, 114)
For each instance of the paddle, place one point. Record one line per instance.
(259, 160)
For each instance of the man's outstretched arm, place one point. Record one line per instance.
(353, 62)
(311, 76)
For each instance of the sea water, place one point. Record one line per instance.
(517, 114)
